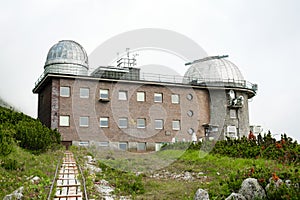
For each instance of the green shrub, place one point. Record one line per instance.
(28, 132)
(124, 182)
(6, 140)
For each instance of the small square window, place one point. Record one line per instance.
(141, 146)
(158, 97)
(103, 94)
(123, 122)
(232, 113)
(141, 123)
(64, 120)
(84, 121)
(159, 124)
(123, 146)
(65, 91)
(84, 92)
(140, 96)
(175, 98)
(122, 95)
(176, 125)
(103, 121)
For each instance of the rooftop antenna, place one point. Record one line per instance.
(128, 61)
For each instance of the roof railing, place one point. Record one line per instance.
(169, 79)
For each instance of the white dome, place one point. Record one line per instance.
(211, 69)
(67, 57)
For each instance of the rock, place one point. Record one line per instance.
(187, 176)
(35, 180)
(17, 194)
(251, 189)
(201, 195)
(288, 183)
(93, 168)
(235, 196)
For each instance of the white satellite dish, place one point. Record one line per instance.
(231, 94)
(241, 98)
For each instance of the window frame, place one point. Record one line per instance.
(101, 120)
(81, 90)
(64, 124)
(138, 145)
(161, 97)
(84, 125)
(126, 95)
(137, 123)
(123, 118)
(123, 143)
(178, 99)
(173, 125)
(160, 121)
(103, 93)
(233, 113)
(66, 87)
(137, 96)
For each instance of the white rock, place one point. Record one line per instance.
(15, 195)
(35, 180)
(288, 183)
(201, 195)
(251, 189)
(235, 196)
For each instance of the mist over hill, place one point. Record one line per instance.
(4, 103)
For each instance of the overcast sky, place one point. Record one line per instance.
(261, 37)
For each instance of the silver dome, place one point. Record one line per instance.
(212, 69)
(67, 57)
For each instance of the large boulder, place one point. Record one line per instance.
(201, 195)
(235, 196)
(251, 189)
(17, 194)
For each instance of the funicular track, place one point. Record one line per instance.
(68, 185)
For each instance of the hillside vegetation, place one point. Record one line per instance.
(27, 149)
(219, 167)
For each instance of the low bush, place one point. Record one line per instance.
(124, 182)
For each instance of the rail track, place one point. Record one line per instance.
(68, 185)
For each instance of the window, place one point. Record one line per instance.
(159, 124)
(103, 121)
(103, 144)
(175, 98)
(191, 131)
(122, 95)
(123, 122)
(141, 123)
(65, 91)
(190, 113)
(140, 96)
(189, 97)
(123, 146)
(231, 131)
(103, 94)
(84, 121)
(64, 120)
(84, 92)
(232, 113)
(158, 97)
(141, 146)
(176, 125)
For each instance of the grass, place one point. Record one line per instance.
(29, 165)
(218, 171)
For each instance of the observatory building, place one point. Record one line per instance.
(120, 107)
